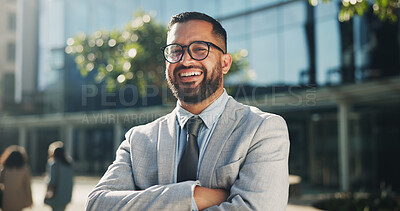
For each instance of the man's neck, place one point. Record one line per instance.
(199, 107)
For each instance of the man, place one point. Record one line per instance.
(240, 157)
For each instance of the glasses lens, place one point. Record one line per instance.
(199, 50)
(173, 53)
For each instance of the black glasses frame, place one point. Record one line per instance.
(190, 53)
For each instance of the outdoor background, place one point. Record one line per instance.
(85, 71)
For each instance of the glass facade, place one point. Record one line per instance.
(272, 32)
(11, 52)
(327, 41)
(374, 147)
(12, 21)
(275, 40)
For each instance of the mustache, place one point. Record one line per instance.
(182, 67)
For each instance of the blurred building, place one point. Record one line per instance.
(337, 85)
(8, 28)
(18, 61)
(26, 94)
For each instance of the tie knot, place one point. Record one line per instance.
(193, 125)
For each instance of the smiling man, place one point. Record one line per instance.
(210, 152)
(195, 80)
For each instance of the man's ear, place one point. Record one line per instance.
(226, 63)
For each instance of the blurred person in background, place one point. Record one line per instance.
(16, 177)
(59, 177)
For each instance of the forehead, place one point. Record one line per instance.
(189, 31)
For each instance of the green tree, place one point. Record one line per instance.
(384, 9)
(119, 57)
(131, 56)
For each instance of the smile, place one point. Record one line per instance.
(189, 74)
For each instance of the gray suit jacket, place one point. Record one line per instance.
(247, 155)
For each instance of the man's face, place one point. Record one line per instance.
(193, 81)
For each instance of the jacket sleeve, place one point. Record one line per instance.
(116, 190)
(53, 176)
(263, 179)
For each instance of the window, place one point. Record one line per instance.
(295, 54)
(254, 4)
(327, 48)
(264, 58)
(235, 6)
(57, 59)
(7, 87)
(11, 52)
(12, 21)
(278, 51)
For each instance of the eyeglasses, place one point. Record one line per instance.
(198, 50)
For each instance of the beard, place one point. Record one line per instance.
(193, 95)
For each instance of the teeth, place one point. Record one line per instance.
(187, 74)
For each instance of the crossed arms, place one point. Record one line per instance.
(261, 184)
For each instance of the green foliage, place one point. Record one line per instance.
(130, 56)
(384, 9)
(239, 62)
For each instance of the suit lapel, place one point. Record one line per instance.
(166, 149)
(227, 123)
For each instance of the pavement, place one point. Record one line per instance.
(83, 185)
(82, 188)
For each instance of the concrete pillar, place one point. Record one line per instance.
(312, 155)
(344, 145)
(82, 145)
(33, 150)
(69, 139)
(118, 135)
(22, 136)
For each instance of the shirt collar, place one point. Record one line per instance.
(209, 115)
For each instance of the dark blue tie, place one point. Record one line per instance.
(187, 168)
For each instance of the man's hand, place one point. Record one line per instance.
(208, 197)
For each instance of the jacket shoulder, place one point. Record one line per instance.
(251, 112)
(148, 129)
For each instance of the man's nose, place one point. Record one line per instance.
(186, 58)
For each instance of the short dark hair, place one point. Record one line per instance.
(218, 30)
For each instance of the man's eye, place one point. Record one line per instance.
(199, 50)
(176, 52)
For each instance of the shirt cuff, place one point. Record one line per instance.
(194, 205)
